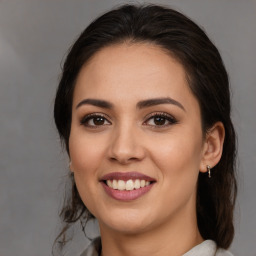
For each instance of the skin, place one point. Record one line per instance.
(162, 221)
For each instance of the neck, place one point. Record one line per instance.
(174, 238)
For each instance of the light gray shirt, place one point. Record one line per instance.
(206, 248)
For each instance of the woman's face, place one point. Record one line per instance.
(136, 144)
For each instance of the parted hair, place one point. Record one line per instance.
(208, 80)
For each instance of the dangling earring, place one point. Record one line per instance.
(209, 170)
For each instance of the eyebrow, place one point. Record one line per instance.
(140, 104)
(95, 102)
(158, 101)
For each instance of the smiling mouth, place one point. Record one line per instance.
(127, 185)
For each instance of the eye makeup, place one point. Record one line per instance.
(154, 120)
(95, 120)
(160, 120)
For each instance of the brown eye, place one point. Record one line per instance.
(98, 120)
(159, 120)
(94, 121)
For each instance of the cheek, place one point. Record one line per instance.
(179, 156)
(85, 152)
(86, 156)
(179, 164)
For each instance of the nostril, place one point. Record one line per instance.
(123, 160)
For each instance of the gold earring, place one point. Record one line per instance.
(209, 170)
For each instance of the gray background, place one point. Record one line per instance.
(34, 37)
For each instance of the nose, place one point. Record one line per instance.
(126, 146)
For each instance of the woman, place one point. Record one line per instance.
(143, 108)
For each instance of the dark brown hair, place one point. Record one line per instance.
(207, 78)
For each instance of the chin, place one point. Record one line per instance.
(128, 228)
(129, 223)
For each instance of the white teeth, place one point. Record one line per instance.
(121, 185)
(109, 183)
(114, 184)
(137, 184)
(127, 185)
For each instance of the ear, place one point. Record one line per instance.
(213, 146)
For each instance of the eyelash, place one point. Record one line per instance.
(85, 120)
(167, 117)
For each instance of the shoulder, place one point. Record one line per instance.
(222, 252)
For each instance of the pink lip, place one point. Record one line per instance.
(125, 195)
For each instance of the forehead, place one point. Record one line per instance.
(121, 71)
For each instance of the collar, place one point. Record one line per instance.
(208, 247)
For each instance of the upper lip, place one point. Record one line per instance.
(126, 176)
